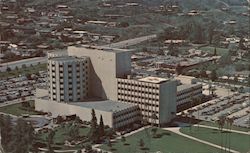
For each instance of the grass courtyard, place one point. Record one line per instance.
(23, 71)
(18, 109)
(238, 142)
(209, 49)
(61, 134)
(167, 142)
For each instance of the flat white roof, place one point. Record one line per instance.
(153, 79)
(106, 105)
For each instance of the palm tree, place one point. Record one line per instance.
(230, 123)
(221, 123)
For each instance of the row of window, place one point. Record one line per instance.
(126, 112)
(142, 97)
(137, 91)
(190, 92)
(140, 103)
(126, 119)
(138, 85)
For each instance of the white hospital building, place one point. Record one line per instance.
(86, 78)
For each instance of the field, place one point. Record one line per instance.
(61, 135)
(238, 142)
(23, 71)
(165, 142)
(18, 110)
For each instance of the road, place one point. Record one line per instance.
(130, 42)
(19, 63)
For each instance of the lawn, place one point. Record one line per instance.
(18, 109)
(23, 71)
(239, 142)
(220, 51)
(167, 142)
(61, 134)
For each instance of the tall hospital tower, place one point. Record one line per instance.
(85, 78)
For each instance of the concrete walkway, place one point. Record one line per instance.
(177, 131)
(211, 127)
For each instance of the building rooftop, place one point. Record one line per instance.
(107, 105)
(65, 58)
(153, 79)
(103, 48)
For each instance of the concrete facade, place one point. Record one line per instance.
(121, 115)
(105, 66)
(156, 100)
(85, 73)
(68, 78)
(187, 92)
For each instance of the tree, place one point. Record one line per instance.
(235, 79)
(248, 81)
(211, 31)
(88, 148)
(79, 151)
(214, 75)
(8, 69)
(93, 133)
(101, 127)
(74, 132)
(154, 131)
(199, 35)
(178, 69)
(25, 104)
(216, 39)
(241, 43)
(221, 123)
(24, 66)
(141, 143)
(123, 139)
(50, 141)
(24, 136)
(215, 51)
(123, 24)
(109, 144)
(6, 133)
(154, 117)
(78, 120)
(172, 50)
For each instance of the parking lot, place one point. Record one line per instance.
(17, 87)
(236, 107)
